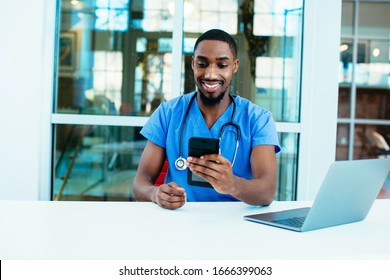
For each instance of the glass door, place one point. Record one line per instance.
(363, 129)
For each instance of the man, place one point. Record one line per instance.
(204, 113)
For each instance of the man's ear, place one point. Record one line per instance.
(192, 63)
(236, 65)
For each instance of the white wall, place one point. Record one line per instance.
(23, 93)
(319, 94)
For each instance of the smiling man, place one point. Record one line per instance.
(245, 168)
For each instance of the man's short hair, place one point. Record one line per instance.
(218, 35)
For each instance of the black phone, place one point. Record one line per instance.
(197, 147)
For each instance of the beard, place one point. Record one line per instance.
(211, 101)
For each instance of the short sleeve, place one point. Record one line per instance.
(264, 131)
(155, 129)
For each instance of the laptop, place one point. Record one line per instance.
(346, 196)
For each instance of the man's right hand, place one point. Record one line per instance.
(170, 196)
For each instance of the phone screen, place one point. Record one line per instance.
(197, 147)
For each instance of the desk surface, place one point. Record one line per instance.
(139, 230)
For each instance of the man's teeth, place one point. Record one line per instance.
(211, 86)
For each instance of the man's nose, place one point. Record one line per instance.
(211, 72)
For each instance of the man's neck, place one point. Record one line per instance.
(212, 113)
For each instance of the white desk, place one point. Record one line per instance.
(135, 230)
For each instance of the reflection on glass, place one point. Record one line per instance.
(112, 15)
(287, 167)
(115, 56)
(344, 105)
(269, 37)
(371, 141)
(95, 162)
(347, 18)
(277, 18)
(156, 15)
(122, 51)
(346, 55)
(202, 15)
(342, 142)
(277, 74)
(373, 69)
(374, 19)
(372, 103)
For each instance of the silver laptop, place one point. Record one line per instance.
(346, 195)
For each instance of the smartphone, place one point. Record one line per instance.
(197, 147)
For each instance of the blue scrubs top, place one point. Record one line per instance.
(163, 129)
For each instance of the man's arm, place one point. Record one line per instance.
(169, 195)
(217, 170)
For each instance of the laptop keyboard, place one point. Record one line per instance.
(293, 222)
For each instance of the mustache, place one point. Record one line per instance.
(211, 80)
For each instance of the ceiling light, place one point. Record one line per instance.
(376, 52)
(343, 47)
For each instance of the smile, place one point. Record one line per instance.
(211, 85)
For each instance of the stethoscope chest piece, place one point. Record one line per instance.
(180, 163)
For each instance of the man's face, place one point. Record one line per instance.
(213, 64)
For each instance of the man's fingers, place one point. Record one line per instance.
(171, 196)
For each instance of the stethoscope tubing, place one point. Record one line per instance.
(180, 161)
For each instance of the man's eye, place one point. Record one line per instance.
(201, 64)
(223, 66)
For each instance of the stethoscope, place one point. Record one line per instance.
(180, 162)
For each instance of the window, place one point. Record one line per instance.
(363, 129)
(123, 63)
(364, 79)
